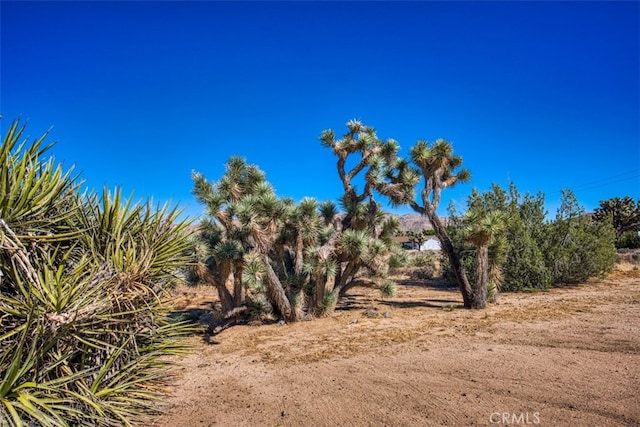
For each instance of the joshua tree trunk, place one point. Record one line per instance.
(321, 286)
(299, 261)
(226, 299)
(238, 288)
(353, 283)
(481, 277)
(454, 259)
(218, 280)
(345, 281)
(277, 292)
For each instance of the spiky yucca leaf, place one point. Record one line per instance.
(328, 303)
(353, 243)
(84, 320)
(399, 258)
(389, 289)
(328, 210)
(253, 273)
(260, 307)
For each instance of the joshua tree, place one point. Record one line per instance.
(479, 235)
(481, 228)
(435, 166)
(300, 257)
(361, 236)
(244, 218)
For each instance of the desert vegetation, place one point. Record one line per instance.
(624, 215)
(86, 279)
(526, 251)
(301, 259)
(297, 259)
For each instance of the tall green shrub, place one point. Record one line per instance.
(577, 247)
(525, 266)
(531, 253)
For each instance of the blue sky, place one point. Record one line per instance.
(139, 94)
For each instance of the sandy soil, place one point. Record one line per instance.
(568, 357)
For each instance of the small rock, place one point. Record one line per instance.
(371, 312)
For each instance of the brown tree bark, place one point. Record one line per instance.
(277, 292)
(479, 299)
(238, 288)
(454, 259)
(346, 277)
(217, 280)
(321, 286)
(355, 282)
(299, 261)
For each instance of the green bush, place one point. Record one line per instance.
(399, 258)
(389, 289)
(328, 303)
(525, 267)
(84, 317)
(628, 240)
(577, 247)
(260, 308)
(422, 259)
(534, 253)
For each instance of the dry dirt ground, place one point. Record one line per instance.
(567, 357)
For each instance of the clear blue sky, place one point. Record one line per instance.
(545, 94)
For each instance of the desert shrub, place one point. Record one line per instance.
(83, 305)
(389, 289)
(525, 266)
(328, 303)
(422, 259)
(421, 273)
(467, 260)
(624, 215)
(631, 256)
(628, 240)
(399, 258)
(260, 308)
(532, 253)
(577, 247)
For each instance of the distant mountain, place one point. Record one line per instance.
(408, 222)
(414, 222)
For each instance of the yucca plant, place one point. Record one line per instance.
(84, 323)
(399, 258)
(328, 303)
(389, 289)
(260, 308)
